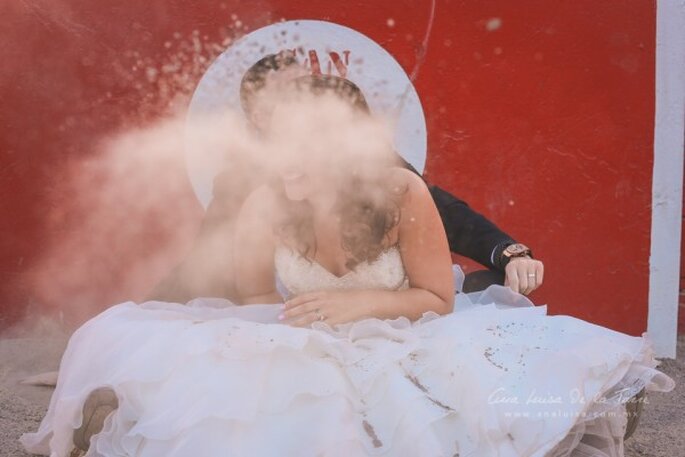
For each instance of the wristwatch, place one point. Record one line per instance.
(512, 250)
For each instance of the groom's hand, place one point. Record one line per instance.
(523, 274)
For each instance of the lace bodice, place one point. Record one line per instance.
(299, 275)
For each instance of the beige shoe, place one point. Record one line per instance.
(633, 410)
(99, 404)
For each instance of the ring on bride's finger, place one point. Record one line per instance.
(531, 275)
(319, 316)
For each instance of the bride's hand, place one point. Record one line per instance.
(329, 306)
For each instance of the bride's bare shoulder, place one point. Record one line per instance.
(406, 183)
(261, 202)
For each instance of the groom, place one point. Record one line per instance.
(469, 233)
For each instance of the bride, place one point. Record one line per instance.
(349, 339)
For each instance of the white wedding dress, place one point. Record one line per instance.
(497, 377)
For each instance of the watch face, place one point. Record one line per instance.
(516, 248)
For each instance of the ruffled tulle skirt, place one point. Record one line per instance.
(497, 377)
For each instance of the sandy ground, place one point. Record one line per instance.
(661, 430)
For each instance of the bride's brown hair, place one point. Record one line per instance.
(367, 206)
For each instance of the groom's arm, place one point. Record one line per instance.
(469, 233)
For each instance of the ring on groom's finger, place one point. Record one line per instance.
(319, 316)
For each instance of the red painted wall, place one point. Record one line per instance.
(544, 124)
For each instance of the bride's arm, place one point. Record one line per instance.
(425, 254)
(427, 261)
(253, 247)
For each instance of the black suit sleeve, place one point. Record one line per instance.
(469, 233)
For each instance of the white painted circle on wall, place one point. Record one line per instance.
(385, 85)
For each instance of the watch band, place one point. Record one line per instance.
(502, 260)
(497, 255)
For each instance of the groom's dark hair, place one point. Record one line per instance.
(254, 78)
(342, 88)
